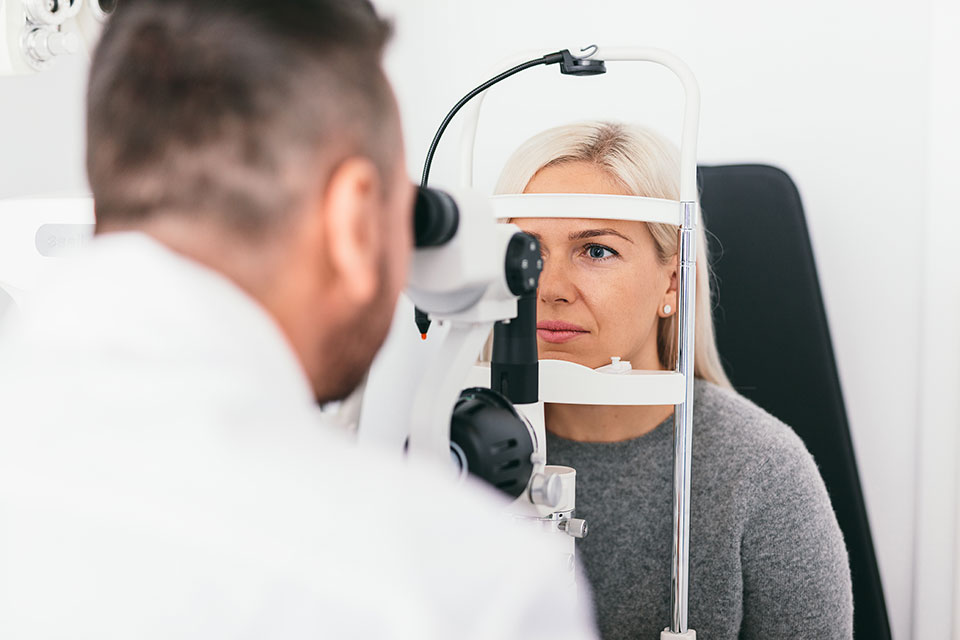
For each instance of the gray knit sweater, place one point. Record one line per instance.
(767, 559)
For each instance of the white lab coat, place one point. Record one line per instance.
(164, 474)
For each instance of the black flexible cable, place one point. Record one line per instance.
(551, 58)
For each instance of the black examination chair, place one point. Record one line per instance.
(775, 344)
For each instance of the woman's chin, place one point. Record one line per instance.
(550, 352)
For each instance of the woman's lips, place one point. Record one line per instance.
(557, 332)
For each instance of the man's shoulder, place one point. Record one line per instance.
(306, 517)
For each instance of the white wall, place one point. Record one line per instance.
(936, 576)
(41, 131)
(836, 93)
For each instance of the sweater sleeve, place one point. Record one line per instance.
(796, 574)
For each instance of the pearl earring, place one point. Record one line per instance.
(667, 309)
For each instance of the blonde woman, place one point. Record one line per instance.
(767, 557)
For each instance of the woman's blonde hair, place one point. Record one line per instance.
(644, 164)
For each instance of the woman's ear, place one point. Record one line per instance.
(354, 228)
(668, 303)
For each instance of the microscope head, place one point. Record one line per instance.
(466, 265)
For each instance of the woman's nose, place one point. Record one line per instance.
(555, 283)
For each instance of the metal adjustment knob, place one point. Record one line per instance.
(576, 527)
(59, 43)
(43, 44)
(546, 491)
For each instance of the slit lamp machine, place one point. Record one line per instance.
(473, 275)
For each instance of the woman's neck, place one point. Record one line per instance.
(593, 423)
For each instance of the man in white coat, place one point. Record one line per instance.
(164, 470)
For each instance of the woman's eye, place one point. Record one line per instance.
(599, 252)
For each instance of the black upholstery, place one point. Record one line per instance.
(775, 344)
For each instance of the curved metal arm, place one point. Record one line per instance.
(691, 116)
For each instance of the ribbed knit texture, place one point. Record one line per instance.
(767, 559)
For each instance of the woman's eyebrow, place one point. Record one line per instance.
(593, 233)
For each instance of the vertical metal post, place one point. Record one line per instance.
(683, 419)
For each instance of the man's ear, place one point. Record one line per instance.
(352, 204)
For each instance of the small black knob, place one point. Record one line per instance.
(496, 443)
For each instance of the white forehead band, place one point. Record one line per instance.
(582, 205)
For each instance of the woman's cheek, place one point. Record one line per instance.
(633, 303)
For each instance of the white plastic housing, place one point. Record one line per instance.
(583, 205)
(457, 276)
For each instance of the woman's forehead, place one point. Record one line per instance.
(575, 229)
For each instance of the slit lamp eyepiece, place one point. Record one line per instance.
(435, 219)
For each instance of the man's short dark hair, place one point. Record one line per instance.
(232, 110)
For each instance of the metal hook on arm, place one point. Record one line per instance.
(592, 48)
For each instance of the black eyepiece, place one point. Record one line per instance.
(435, 218)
